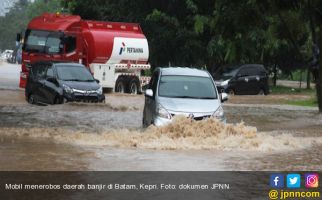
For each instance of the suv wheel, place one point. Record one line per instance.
(261, 92)
(57, 100)
(231, 92)
(32, 99)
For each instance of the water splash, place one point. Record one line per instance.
(183, 133)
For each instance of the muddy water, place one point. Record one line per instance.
(109, 137)
(28, 154)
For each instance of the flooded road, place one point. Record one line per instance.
(109, 136)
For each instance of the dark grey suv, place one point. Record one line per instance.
(55, 83)
(247, 79)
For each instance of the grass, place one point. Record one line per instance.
(307, 102)
(310, 101)
(289, 90)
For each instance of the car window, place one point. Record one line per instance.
(253, 71)
(229, 74)
(39, 71)
(243, 72)
(178, 86)
(50, 72)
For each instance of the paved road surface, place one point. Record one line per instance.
(9, 75)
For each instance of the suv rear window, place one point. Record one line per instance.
(50, 72)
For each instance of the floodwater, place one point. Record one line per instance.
(77, 136)
(260, 135)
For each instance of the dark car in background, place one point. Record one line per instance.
(246, 79)
(56, 83)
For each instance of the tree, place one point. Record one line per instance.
(311, 18)
(16, 20)
(277, 33)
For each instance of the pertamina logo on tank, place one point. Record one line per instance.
(123, 48)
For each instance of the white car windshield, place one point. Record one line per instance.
(195, 87)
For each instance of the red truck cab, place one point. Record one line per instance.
(60, 37)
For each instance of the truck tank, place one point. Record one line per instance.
(115, 43)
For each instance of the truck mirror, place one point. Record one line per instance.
(18, 39)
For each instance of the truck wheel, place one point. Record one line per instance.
(120, 85)
(134, 85)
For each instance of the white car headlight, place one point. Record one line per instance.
(224, 83)
(219, 113)
(67, 89)
(99, 90)
(162, 112)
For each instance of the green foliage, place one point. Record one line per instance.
(42, 6)
(201, 32)
(200, 22)
(196, 33)
(299, 75)
(212, 33)
(16, 20)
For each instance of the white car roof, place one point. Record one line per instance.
(184, 71)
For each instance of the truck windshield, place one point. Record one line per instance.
(74, 73)
(38, 41)
(194, 87)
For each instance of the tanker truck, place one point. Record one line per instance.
(116, 53)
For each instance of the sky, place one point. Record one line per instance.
(5, 5)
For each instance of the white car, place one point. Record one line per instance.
(181, 91)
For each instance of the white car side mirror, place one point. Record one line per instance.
(149, 93)
(224, 97)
